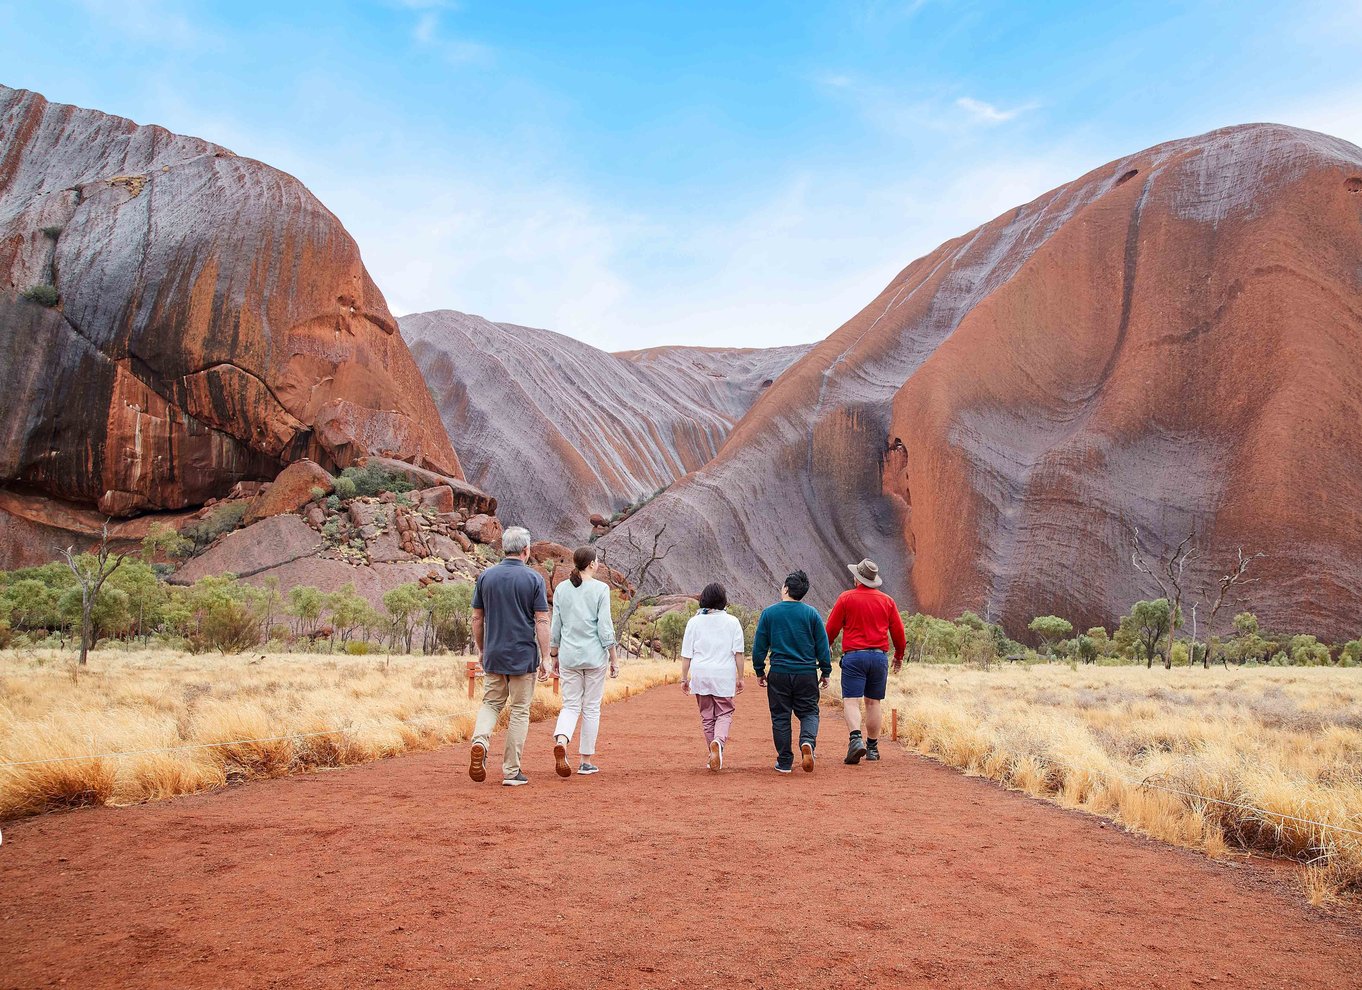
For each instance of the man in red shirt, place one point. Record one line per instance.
(867, 620)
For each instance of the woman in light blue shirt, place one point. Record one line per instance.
(582, 641)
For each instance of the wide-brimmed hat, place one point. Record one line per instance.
(867, 572)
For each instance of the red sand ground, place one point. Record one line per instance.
(655, 873)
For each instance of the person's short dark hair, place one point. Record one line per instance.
(797, 584)
(714, 597)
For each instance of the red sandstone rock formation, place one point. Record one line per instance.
(214, 323)
(560, 430)
(1172, 342)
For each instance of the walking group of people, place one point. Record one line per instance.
(520, 639)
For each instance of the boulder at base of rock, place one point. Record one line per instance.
(291, 490)
(483, 528)
(267, 544)
(440, 498)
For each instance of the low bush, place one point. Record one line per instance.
(371, 480)
(42, 294)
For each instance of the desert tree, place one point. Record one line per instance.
(1168, 573)
(1050, 629)
(1224, 592)
(642, 557)
(1146, 625)
(91, 570)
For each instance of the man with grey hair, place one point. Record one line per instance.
(511, 630)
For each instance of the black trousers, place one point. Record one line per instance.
(797, 694)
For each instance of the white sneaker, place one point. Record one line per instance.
(716, 755)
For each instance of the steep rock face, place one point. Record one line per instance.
(1170, 344)
(214, 322)
(560, 430)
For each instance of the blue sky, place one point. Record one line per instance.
(709, 173)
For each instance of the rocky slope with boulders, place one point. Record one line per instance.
(174, 319)
(1171, 344)
(562, 431)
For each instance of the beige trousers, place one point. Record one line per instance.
(498, 689)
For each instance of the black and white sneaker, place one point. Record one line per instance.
(781, 769)
(519, 780)
(586, 769)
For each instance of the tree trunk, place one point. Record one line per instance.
(86, 607)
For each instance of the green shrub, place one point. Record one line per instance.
(223, 519)
(42, 294)
(372, 480)
(359, 648)
(345, 488)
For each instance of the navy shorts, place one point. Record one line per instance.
(865, 674)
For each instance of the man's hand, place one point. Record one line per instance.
(738, 688)
(543, 669)
(761, 681)
(822, 683)
(614, 669)
(898, 664)
(685, 685)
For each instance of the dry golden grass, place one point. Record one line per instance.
(1287, 741)
(313, 711)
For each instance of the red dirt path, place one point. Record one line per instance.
(655, 873)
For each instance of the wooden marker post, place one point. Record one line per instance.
(472, 671)
(555, 685)
(894, 724)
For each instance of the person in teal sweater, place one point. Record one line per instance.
(792, 636)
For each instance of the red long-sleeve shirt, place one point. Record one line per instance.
(868, 619)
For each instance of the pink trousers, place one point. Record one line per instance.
(716, 716)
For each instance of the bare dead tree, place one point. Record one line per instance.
(1168, 574)
(91, 570)
(1224, 591)
(636, 571)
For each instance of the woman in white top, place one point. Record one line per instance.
(582, 644)
(712, 667)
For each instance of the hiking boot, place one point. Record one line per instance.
(806, 756)
(587, 769)
(872, 755)
(519, 780)
(716, 755)
(560, 763)
(477, 762)
(855, 750)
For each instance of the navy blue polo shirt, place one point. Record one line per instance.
(509, 595)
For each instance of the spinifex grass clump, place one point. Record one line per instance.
(1213, 759)
(276, 716)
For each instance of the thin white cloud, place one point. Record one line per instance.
(988, 113)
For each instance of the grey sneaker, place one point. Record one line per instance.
(586, 769)
(855, 750)
(519, 780)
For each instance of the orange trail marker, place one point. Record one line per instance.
(471, 669)
(894, 724)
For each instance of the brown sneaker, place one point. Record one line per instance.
(716, 755)
(806, 754)
(477, 762)
(560, 763)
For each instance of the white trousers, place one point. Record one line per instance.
(582, 691)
